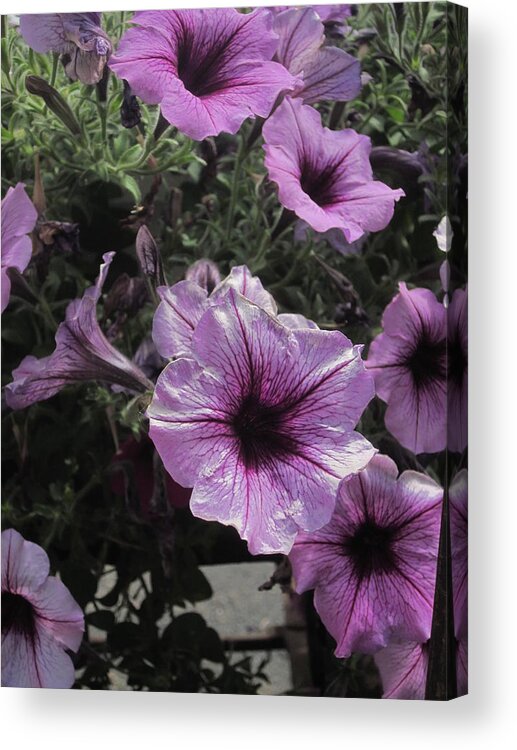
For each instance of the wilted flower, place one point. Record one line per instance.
(323, 175)
(251, 421)
(326, 73)
(373, 566)
(62, 236)
(130, 114)
(408, 361)
(40, 619)
(18, 219)
(208, 69)
(149, 256)
(457, 383)
(205, 274)
(184, 304)
(82, 353)
(128, 294)
(77, 36)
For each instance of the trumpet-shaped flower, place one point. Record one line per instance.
(40, 619)
(82, 353)
(259, 420)
(183, 305)
(373, 566)
(208, 69)
(326, 73)
(18, 219)
(409, 363)
(323, 175)
(77, 36)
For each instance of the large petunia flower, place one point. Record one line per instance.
(77, 36)
(259, 420)
(183, 305)
(208, 69)
(324, 175)
(18, 219)
(82, 353)
(457, 383)
(326, 73)
(40, 619)
(373, 566)
(409, 363)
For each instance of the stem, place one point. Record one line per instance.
(55, 63)
(235, 184)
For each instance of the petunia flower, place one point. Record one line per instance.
(18, 220)
(259, 419)
(323, 175)
(205, 273)
(183, 305)
(40, 619)
(79, 38)
(82, 353)
(208, 69)
(403, 666)
(373, 566)
(326, 73)
(457, 383)
(408, 361)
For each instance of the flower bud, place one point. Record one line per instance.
(54, 101)
(204, 273)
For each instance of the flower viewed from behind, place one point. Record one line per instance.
(323, 175)
(373, 566)
(327, 73)
(183, 305)
(18, 220)
(409, 363)
(259, 420)
(82, 353)
(40, 619)
(208, 69)
(85, 47)
(457, 383)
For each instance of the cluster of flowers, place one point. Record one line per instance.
(256, 411)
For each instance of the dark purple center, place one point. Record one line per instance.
(319, 183)
(203, 68)
(427, 361)
(18, 615)
(261, 432)
(370, 549)
(457, 361)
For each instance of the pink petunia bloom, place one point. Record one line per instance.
(324, 175)
(183, 305)
(327, 73)
(40, 619)
(408, 361)
(373, 566)
(77, 36)
(403, 666)
(82, 353)
(18, 220)
(457, 383)
(252, 422)
(208, 69)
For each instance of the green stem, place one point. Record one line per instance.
(235, 185)
(55, 63)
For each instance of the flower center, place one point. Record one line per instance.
(261, 433)
(319, 184)
(457, 361)
(427, 362)
(18, 615)
(370, 549)
(201, 68)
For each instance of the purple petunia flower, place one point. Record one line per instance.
(82, 353)
(208, 69)
(327, 13)
(373, 566)
(77, 36)
(323, 175)
(184, 304)
(457, 383)
(40, 619)
(409, 364)
(327, 73)
(205, 273)
(18, 219)
(458, 496)
(252, 422)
